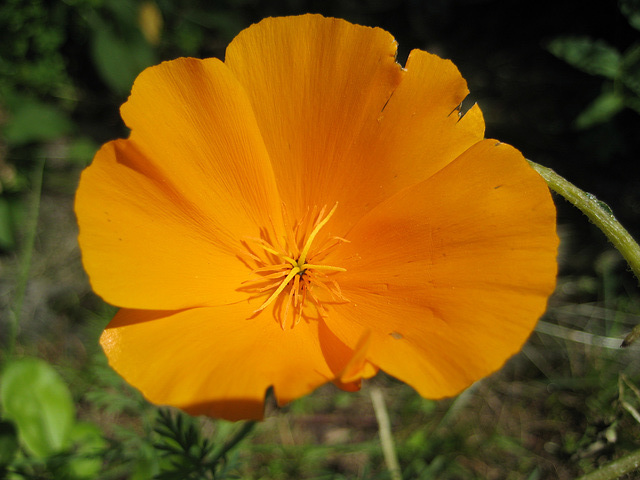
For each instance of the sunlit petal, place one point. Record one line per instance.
(341, 120)
(451, 275)
(217, 361)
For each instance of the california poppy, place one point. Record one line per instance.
(309, 211)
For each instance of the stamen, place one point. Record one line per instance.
(271, 268)
(334, 289)
(323, 267)
(305, 250)
(265, 246)
(319, 216)
(304, 297)
(321, 283)
(296, 289)
(292, 271)
(250, 255)
(290, 260)
(285, 282)
(290, 232)
(329, 245)
(283, 320)
(321, 310)
(268, 287)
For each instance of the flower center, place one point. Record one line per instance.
(287, 267)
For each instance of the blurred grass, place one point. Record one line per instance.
(556, 410)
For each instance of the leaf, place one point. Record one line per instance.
(631, 69)
(601, 110)
(119, 60)
(33, 121)
(8, 443)
(631, 9)
(36, 399)
(90, 444)
(82, 150)
(146, 464)
(595, 57)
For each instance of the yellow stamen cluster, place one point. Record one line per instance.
(280, 267)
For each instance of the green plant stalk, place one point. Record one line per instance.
(15, 312)
(598, 212)
(245, 430)
(386, 439)
(615, 469)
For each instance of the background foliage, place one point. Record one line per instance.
(559, 80)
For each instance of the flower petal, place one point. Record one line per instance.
(314, 82)
(163, 213)
(194, 124)
(358, 367)
(340, 118)
(451, 275)
(421, 129)
(145, 246)
(218, 362)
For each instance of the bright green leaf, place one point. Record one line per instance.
(36, 399)
(595, 57)
(601, 110)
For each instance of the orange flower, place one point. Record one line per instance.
(309, 211)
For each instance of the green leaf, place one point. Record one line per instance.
(601, 110)
(146, 464)
(631, 9)
(595, 57)
(631, 69)
(117, 60)
(36, 399)
(8, 443)
(89, 446)
(82, 150)
(33, 121)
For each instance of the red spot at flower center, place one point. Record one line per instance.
(286, 268)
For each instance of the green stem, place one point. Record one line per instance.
(615, 469)
(598, 212)
(245, 430)
(386, 439)
(24, 267)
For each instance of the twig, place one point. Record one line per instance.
(386, 439)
